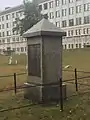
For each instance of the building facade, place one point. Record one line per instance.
(73, 16)
(9, 39)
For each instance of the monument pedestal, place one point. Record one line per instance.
(43, 94)
(44, 42)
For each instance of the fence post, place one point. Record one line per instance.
(15, 83)
(76, 80)
(61, 95)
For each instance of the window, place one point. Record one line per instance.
(13, 32)
(70, 1)
(13, 39)
(3, 40)
(64, 23)
(86, 19)
(78, 9)
(68, 33)
(57, 14)
(2, 26)
(65, 46)
(14, 49)
(57, 3)
(8, 40)
(22, 49)
(7, 17)
(45, 6)
(71, 32)
(63, 2)
(71, 10)
(71, 22)
(25, 49)
(46, 16)
(58, 24)
(2, 18)
(87, 7)
(14, 23)
(85, 31)
(63, 12)
(76, 32)
(21, 13)
(0, 34)
(51, 4)
(8, 33)
(17, 39)
(40, 7)
(79, 31)
(51, 15)
(13, 15)
(78, 21)
(72, 46)
(3, 34)
(76, 45)
(79, 45)
(17, 14)
(18, 49)
(68, 45)
(7, 25)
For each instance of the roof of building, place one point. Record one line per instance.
(44, 27)
(12, 9)
(17, 8)
(41, 1)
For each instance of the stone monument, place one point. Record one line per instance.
(44, 42)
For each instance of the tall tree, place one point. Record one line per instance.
(31, 16)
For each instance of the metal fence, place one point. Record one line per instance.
(79, 82)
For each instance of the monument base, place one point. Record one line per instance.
(43, 94)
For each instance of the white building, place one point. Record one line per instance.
(8, 38)
(73, 16)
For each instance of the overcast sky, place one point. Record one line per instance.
(9, 3)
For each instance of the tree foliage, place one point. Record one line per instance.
(31, 16)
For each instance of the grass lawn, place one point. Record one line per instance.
(75, 108)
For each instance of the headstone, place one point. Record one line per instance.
(10, 61)
(26, 67)
(16, 62)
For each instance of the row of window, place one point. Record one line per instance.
(78, 32)
(9, 16)
(72, 46)
(71, 22)
(18, 49)
(8, 25)
(22, 49)
(78, 8)
(8, 33)
(64, 12)
(14, 39)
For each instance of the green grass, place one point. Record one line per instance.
(79, 58)
(75, 108)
